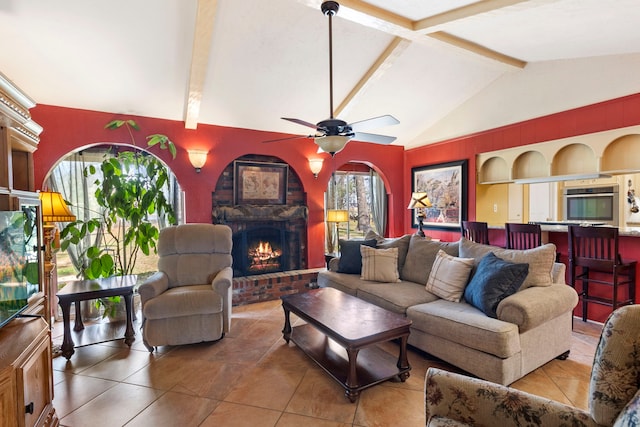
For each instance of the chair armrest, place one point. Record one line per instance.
(221, 283)
(471, 401)
(333, 263)
(533, 306)
(153, 286)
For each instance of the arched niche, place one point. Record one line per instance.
(530, 164)
(622, 155)
(574, 159)
(494, 170)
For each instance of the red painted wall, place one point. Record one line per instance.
(66, 130)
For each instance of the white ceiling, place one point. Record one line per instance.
(454, 66)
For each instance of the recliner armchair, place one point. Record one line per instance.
(189, 299)
(614, 395)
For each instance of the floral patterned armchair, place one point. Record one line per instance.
(614, 399)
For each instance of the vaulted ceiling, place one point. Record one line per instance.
(442, 68)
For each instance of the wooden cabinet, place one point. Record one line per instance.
(26, 376)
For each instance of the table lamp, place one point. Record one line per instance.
(419, 201)
(336, 216)
(54, 209)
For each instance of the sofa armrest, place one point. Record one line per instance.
(533, 306)
(221, 283)
(471, 401)
(153, 286)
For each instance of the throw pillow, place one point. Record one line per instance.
(493, 281)
(449, 276)
(540, 259)
(380, 265)
(420, 257)
(350, 258)
(402, 243)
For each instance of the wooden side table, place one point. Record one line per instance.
(82, 290)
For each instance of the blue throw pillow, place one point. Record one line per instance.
(493, 281)
(350, 257)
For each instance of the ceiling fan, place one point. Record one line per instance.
(332, 134)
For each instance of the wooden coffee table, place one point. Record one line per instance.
(334, 317)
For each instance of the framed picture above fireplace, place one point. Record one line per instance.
(259, 183)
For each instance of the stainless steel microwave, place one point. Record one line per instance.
(597, 204)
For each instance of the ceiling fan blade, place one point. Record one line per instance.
(300, 122)
(372, 137)
(288, 138)
(376, 122)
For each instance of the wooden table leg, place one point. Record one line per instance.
(129, 335)
(286, 332)
(352, 377)
(67, 341)
(78, 325)
(403, 361)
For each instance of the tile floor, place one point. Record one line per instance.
(253, 378)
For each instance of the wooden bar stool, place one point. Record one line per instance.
(475, 231)
(594, 260)
(523, 236)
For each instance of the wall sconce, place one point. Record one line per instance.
(419, 201)
(316, 166)
(197, 158)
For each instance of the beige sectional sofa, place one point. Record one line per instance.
(530, 327)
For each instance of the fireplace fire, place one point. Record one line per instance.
(264, 258)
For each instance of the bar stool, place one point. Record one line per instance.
(475, 231)
(595, 250)
(523, 236)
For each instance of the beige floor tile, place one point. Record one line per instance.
(540, 384)
(121, 365)
(266, 388)
(388, 406)
(286, 356)
(76, 390)
(294, 420)
(233, 415)
(83, 358)
(112, 408)
(319, 396)
(175, 409)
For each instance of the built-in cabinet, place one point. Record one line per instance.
(26, 374)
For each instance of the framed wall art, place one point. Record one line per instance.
(258, 183)
(446, 187)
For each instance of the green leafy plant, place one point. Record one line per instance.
(130, 189)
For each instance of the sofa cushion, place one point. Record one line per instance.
(449, 276)
(540, 259)
(396, 297)
(420, 257)
(350, 257)
(380, 265)
(402, 243)
(494, 280)
(466, 325)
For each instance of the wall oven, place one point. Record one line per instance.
(597, 204)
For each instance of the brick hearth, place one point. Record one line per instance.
(267, 287)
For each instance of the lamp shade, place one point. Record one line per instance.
(316, 166)
(197, 158)
(332, 143)
(54, 208)
(337, 215)
(419, 200)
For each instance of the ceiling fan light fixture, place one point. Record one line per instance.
(332, 144)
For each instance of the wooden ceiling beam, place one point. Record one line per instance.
(202, 40)
(463, 12)
(383, 63)
(477, 49)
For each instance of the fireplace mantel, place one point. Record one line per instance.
(246, 213)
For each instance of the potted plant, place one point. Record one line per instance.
(131, 187)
